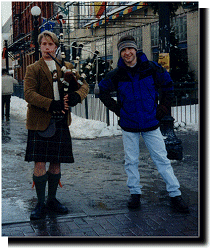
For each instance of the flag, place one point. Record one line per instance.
(4, 53)
(47, 25)
(63, 10)
(99, 9)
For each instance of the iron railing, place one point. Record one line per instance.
(185, 108)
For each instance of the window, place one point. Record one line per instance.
(136, 33)
(84, 13)
(100, 46)
(85, 51)
(179, 24)
(155, 34)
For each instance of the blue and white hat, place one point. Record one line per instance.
(126, 43)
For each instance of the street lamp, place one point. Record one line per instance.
(36, 11)
(5, 37)
(173, 144)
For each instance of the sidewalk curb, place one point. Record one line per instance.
(70, 216)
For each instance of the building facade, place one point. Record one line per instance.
(137, 19)
(84, 22)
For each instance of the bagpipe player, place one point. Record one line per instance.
(48, 121)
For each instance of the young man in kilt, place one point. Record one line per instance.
(49, 138)
(137, 82)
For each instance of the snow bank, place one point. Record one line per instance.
(186, 118)
(80, 128)
(18, 108)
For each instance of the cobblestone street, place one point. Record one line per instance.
(95, 191)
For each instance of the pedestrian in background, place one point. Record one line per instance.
(7, 91)
(49, 138)
(137, 82)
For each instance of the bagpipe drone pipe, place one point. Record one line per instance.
(69, 77)
(95, 70)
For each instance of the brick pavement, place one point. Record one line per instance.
(157, 220)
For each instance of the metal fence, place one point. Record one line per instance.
(185, 108)
(19, 90)
(92, 108)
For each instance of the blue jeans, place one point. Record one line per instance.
(156, 146)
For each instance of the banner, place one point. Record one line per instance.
(99, 9)
(164, 60)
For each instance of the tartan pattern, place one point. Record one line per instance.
(56, 149)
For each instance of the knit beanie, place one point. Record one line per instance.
(126, 41)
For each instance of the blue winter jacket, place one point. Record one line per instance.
(137, 93)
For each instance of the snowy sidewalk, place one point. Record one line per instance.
(95, 191)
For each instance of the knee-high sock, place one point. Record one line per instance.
(53, 180)
(40, 185)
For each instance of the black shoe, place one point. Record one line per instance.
(178, 204)
(134, 201)
(39, 212)
(55, 206)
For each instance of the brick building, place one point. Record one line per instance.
(22, 46)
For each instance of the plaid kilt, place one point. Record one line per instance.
(56, 149)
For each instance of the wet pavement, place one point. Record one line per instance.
(95, 191)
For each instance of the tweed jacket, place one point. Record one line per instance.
(38, 91)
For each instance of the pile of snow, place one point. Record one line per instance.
(18, 108)
(82, 128)
(186, 117)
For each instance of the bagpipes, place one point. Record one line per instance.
(68, 79)
(87, 70)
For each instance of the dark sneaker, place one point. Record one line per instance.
(55, 206)
(134, 201)
(178, 204)
(39, 212)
